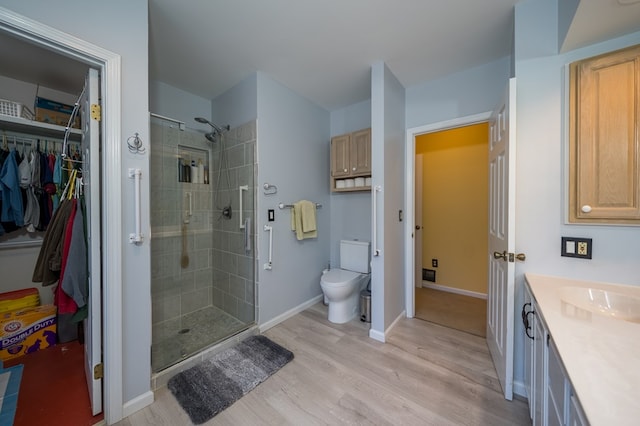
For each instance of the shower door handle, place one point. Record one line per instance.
(242, 188)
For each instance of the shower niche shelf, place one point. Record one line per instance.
(193, 165)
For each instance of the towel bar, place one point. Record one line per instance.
(290, 206)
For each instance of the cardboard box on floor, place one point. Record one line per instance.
(27, 330)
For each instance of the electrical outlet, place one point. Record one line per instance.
(582, 248)
(576, 247)
(434, 263)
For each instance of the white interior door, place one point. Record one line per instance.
(500, 299)
(417, 232)
(93, 323)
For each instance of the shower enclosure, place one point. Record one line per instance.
(202, 237)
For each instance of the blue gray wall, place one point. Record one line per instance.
(387, 162)
(293, 154)
(542, 165)
(350, 211)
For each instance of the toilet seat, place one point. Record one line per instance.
(339, 278)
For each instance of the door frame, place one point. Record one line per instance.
(109, 66)
(409, 196)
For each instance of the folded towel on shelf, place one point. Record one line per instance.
(303, 220)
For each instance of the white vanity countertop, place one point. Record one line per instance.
(601, 354)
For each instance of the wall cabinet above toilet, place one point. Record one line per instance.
(351, 161)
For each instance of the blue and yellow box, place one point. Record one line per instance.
(53, 112)
(23, 331)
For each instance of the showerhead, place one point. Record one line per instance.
(217, 129)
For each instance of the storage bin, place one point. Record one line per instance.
(15, 109)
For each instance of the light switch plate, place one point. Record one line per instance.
(576, 247)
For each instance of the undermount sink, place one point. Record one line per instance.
(603, 302)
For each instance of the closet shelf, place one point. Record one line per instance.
(36, 128)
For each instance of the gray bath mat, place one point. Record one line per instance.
(208, 388)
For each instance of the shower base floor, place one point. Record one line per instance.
(200, 329)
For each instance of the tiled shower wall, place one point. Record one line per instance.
(219, 271)
(233, 266)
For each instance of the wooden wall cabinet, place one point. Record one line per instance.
(350, 159)
(604, 139)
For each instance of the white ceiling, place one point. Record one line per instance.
(322, 49)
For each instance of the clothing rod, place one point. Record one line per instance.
(290, 206)
(180, 124)
(20, 244)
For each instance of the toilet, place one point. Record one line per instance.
(341, 287)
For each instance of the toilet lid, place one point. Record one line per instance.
(338, 277)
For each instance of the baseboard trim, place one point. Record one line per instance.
(454, 290)
(402, 315)
(519, 389)
(291, 312)
(376, 335)
(382, 337)
(137, 403)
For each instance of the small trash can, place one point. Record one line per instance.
(365, 306)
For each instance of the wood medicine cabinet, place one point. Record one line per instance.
(604, 151)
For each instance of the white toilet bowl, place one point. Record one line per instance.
(341, 289)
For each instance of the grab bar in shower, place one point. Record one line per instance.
(136, 237)
(188, 211)
(242, 188)
(376, 250)
(247, 235)
(269, 229)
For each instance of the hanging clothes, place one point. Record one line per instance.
(46, 177)
(57, 180)
(74, 278)
(66, 304)
(12, 211)
(48, 264)
(32, 209)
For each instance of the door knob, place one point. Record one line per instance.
(498, 255)
(417, 227)
(521, 257)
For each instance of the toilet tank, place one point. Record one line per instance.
(355, 256)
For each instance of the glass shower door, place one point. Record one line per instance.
(202, 243)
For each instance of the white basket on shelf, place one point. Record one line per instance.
(15, 109)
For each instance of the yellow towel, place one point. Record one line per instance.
(303, 220)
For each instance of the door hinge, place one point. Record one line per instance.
(98, 372)
(96, 112)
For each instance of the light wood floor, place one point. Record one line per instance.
(424, 375)
(453, 310)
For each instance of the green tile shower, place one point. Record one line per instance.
(202, 244)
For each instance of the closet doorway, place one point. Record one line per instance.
(451, 207)
(28, 44)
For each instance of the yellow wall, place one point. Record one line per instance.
(455, 205)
